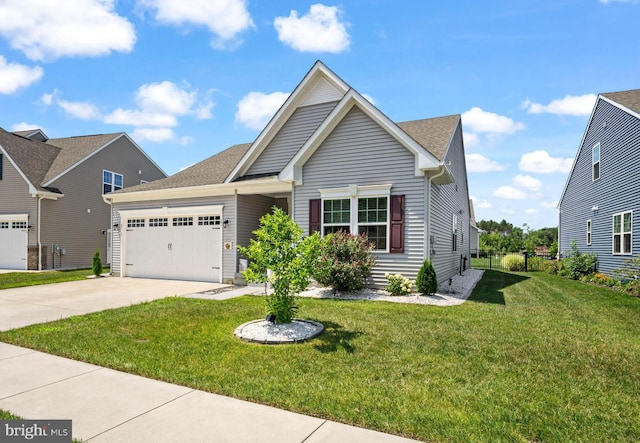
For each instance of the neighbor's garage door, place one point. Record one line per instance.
(13, 244)
(174, 247)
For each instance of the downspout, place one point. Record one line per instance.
(428, 224)
(40, 197)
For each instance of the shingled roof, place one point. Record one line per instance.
(629, 99)
(211, 171)
(41, 162)
(434, 134)
(74, 149)
(33, 158)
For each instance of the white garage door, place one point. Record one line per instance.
(14, 240)
(174, 247)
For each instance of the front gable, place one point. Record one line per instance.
(424, 160)
(320, 86)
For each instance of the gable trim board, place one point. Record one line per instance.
(296, 99)
(425, 161)
(96, 151)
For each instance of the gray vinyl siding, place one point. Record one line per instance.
(250, 209)
(617, 190)
(447, 200)
(15, 197)
(229, 258)
(76, 221)
(295, 132)
(360, 152)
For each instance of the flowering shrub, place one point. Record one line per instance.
(344, 261)
(398, 285)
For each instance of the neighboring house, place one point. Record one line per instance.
(332, 161)
(475, 231)
(51, 195)
(600, 204)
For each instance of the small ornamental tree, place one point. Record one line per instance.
(426, 280)
(280, 256)
(97, 264)
(344, 262)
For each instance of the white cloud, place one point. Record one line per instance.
(569, 105)
(531, 211)
(527, 182)
(47, 30)
(480, 163)
(470, 139)
(256, 108)
(509, 193)
(48, 99)
(320, 30)
(606, 2)
(203, 111)
(480, 203)
(477, 120)
(23, 126)
(542, 163)
(156, 135)
(508, 211)
(549, 205)
(14, 76)
(81, 110)
(225, 19)
(140, 118)
(159, 107)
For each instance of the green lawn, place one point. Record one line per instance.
(530, 357)
(20, 279)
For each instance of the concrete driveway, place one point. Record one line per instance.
(38, 304)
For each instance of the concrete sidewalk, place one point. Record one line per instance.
(111, 406)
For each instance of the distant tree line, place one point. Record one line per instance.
(504, 237)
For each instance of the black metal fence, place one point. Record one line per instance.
(508, 261)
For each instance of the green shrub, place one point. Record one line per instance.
(632, 288)
(514, 262)
(552, 266)
(279, 255)
(97, 264)
(398, 284)
(578, 264)
(426, 280)
(630, 269)
(344, 261)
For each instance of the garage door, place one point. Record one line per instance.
(183, 247)
(14, 240)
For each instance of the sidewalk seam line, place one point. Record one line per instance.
(54, 382)
(141, 414)
(324, 422)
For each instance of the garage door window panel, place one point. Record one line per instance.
(183, 221)
(158, 222)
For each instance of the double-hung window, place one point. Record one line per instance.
(588, 232)
(358, 210)
(111, 181)
(595, 161)
(454, 233)
(622, 233)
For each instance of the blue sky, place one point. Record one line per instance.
(189, 78)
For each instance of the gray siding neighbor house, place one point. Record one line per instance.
(332, 161)
(600, 204)
(52, 214)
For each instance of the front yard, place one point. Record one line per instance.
(530, 357)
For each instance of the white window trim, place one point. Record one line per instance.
(353, 193)
(454, 233)
(621, 234)
(593, 162)
(589, 232)
(113, 182)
